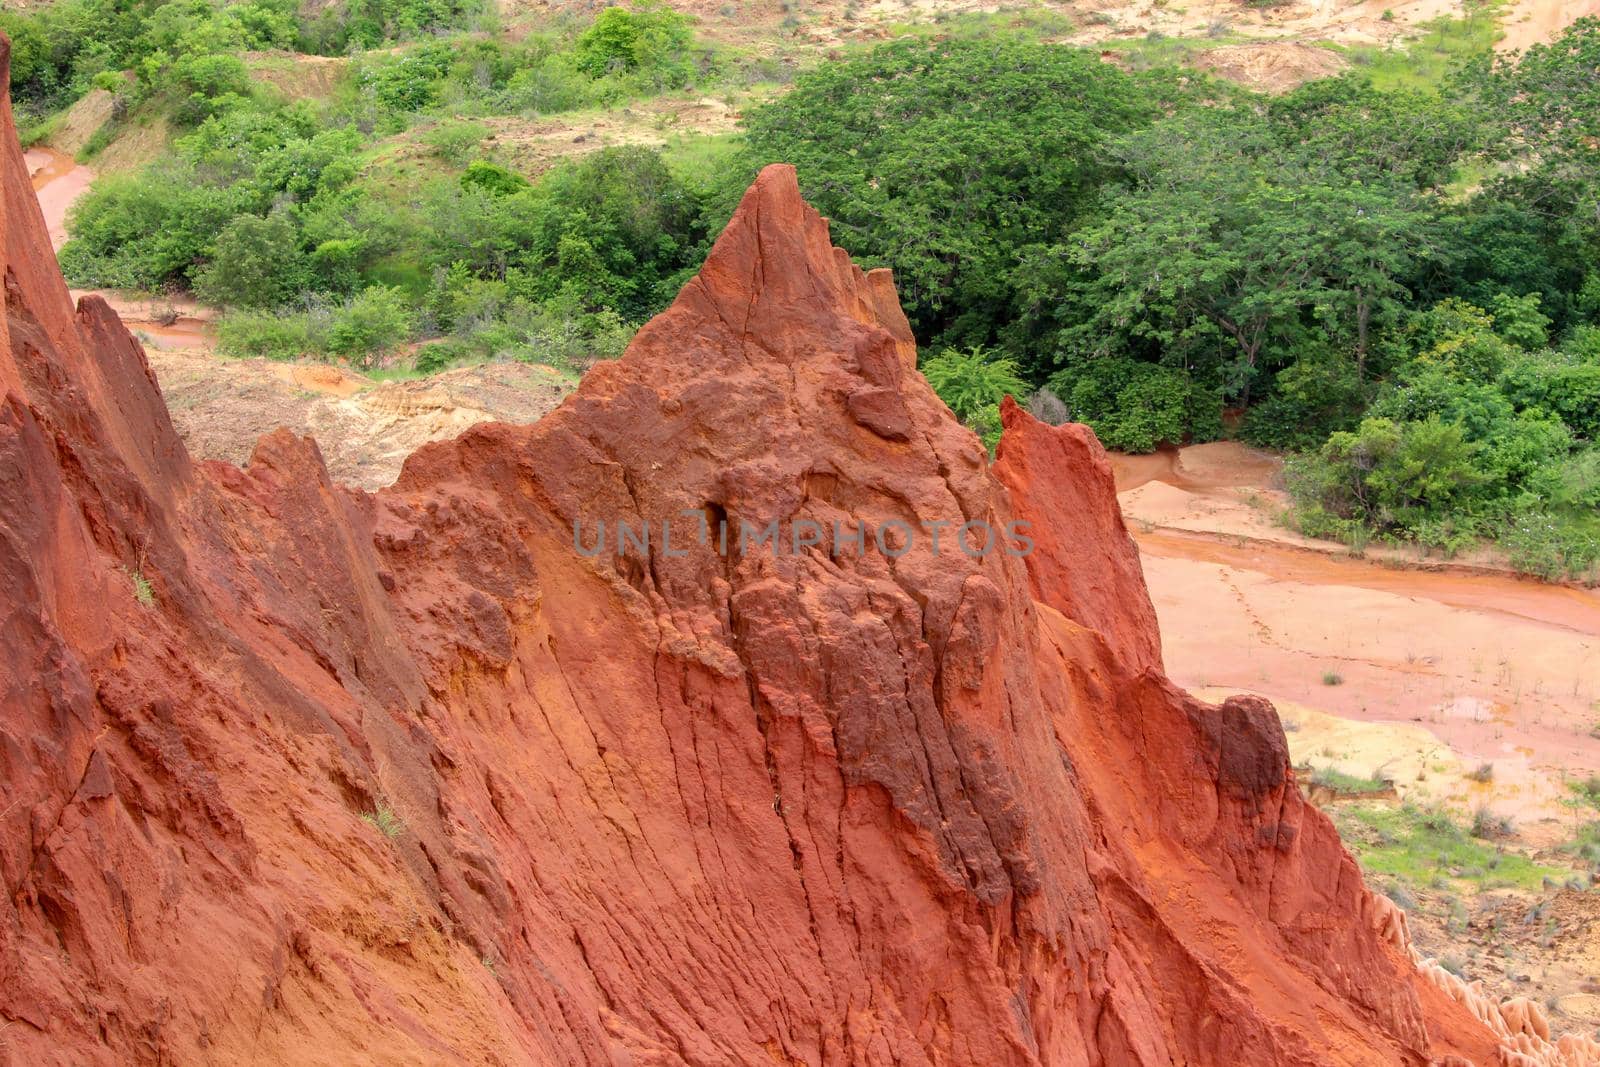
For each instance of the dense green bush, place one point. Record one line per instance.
(1309, 399)
(650, 38)
(146, 232)
(1132, 406)
(256, 262)
(942, 158)
(1386, 474)
(973, 383)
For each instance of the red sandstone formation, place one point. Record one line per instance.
(298, 774)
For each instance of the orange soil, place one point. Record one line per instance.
(1501, 669)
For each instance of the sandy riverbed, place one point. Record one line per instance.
(1476, 664)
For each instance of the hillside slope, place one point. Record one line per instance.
(302, 774)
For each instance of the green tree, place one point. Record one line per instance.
(650, 38)
(258, 263)
(941, 158)
(972, 381)
(1220, 252)
(370, 324)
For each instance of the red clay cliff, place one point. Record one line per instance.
(298, 774)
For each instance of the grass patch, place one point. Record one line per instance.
(1586, 790)
(38, 131)
(143, 591)
(1424, 62)
(1340, 782)
(1420, 846)
(1038, 22)
(1332, 678)
(384, 818)
(1585, 845)
(1156, 50)
(700, 160)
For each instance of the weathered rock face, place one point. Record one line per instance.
(833, 805)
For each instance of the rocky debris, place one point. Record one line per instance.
(297, 773)
(1271, 66)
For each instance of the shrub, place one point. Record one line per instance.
(1386, 474)
(651, 40)
(492, 178)
(456, 142)
(143, 591)
(384, 818)
(1552, 544)
(1132, 406)
(257, 264)
(1311, 398)
(1487, 824)
(370, 324)
(1048, 408)
(1566, 390)
(409, 81)
(273, 335)
(146, 231)
(972, 382)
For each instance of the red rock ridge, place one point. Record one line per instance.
(639, 808)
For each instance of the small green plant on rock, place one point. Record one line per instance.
(143, 591)
(384, 818)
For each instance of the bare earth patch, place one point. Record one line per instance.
(365, 429)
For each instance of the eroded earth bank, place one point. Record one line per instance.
(300, 773)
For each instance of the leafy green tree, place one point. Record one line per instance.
(1344, 124)
(973, 381)
(1317, 394)
(258, 263)
(1132, 406)
(1519, 320)
(649, 38)
(940, 158)
(1386, 474)
(370, 324)
(145, 232)
(1461, 340)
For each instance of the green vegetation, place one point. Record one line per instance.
(303, 220)
(143, 591)
(1585, 845)
(1428, 62)
(973, 385)
(384, 818)
(1158, 254)
(1389, 273)
(1418, 847)
(1351, 784)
